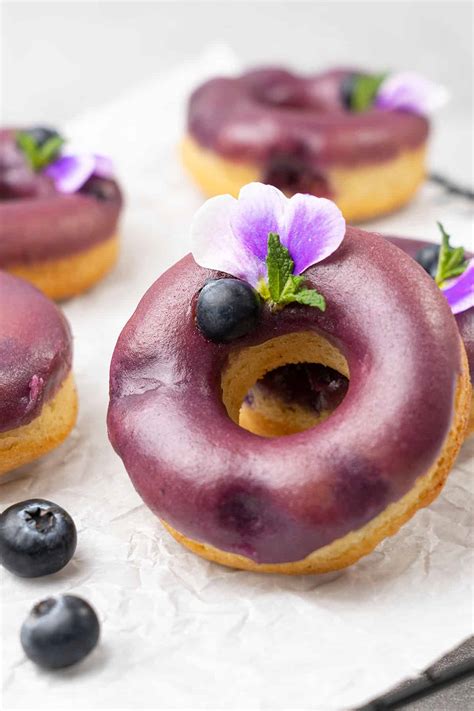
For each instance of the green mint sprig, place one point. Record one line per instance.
(451, 260)
(39, 155)
(364, 90)
(282, 286)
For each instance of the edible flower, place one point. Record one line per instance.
(455, 275)
(410, 91)
(399, 91)
(69, 170)
(268, 240)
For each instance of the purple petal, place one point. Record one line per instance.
(215, 246)
(258, 211)
(409, 91)
(104, 167)
(313, 229)
(460, 291)
(69, 173)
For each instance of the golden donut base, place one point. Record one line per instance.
(44, 433)
(362, 192)
(244, 369)
(68, 276)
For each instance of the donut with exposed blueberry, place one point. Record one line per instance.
(359, 139)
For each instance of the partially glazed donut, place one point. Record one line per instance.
(38, 402)
(63, 244)
(316, 500)
(294, 132)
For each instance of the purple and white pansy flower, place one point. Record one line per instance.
(68, 168)
(268, 240)
(460, 291)
(410, 91)
(70, 171)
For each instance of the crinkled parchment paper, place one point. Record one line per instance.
(178, 632)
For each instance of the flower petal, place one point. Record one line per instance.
(410, 91)
(258, 211)
(104, 167)
(313, 229)
(70, 172)
(460, 291)
(215, 246)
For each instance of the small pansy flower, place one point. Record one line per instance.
(69, 170)
(268, 240)
(412, 92)
(455, 275)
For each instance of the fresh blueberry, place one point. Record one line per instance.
(428, 257)
(100, 188)
(60, 631)
(41, 134)
(37, 538)
(227, 309)
(346, 89)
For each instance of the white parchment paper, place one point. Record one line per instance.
(178, 632)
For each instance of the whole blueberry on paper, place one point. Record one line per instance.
(60, 631)
(37, 537)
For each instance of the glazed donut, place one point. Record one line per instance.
(294, 398)
(61, 243)
(317, 500)
(298, 134)
(38, 402)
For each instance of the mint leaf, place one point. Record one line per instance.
(49, 151)
(279, 266)
(365, 90)
(310, 297)
(451, 260)
(39, 156)
(28, 145)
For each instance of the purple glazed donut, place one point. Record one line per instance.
(37, 396)
(62, 243)
(298, 133)
(316, 500)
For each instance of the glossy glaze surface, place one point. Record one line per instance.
(277, 500)
(270, 115)
(35, 351)
(53, 225)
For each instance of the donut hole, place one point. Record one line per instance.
(284, 385)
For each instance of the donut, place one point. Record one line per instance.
(38, 402)
(304, 134)
(295, 397)
(59, 235)
(317, 500)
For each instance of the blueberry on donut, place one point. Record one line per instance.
(357, 138)
(38, 402)
(59, 212)
(317, 500)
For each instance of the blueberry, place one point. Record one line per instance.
(227, 309)
(100, 188)
(41, 134)
(346, 89)
(60, 631)
(428, 257)
(37, 538)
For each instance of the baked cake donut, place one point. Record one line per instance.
(59, 212)
(38, 402)
(295, 397)
(356, 138)
(274, 281)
